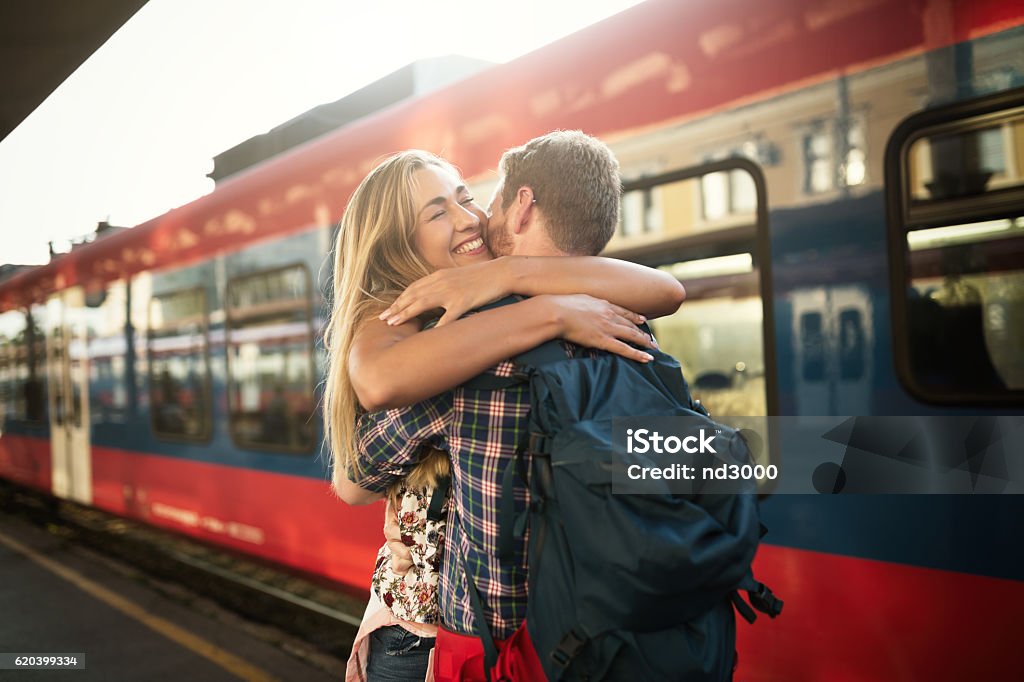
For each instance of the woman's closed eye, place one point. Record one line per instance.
(462, 202)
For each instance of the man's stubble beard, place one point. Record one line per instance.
(498, 240)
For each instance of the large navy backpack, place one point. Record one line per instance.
(622, 587)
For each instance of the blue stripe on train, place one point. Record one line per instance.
(973, 534)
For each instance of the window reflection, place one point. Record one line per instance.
(711, 219)
(964, 163)
(966, 307)
(717, 334)
(812, 340)
(851, 345)
(822, 144)
(107, 349)
(964, 277)
(270, 362)
(179, 373)
(6, 384)
(728, 193)
(22, 368)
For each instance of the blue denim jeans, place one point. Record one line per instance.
(397, 655)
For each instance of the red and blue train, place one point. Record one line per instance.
(840, 185)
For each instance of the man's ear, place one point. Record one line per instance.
(521, 211)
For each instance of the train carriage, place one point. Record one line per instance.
(839, 185)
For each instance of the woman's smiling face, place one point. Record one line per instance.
(449, 224)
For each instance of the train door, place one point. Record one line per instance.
(854, 341)
(833, 337)
(69, 404)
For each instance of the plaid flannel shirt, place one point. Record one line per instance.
(481, 430)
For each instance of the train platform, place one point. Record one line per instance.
(59, 598)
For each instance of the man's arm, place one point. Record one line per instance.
(389, 446)
(351, 493)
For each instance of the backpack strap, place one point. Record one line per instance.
(544, 354)
(742, 607)
(510, 524)
(765, 601)
(761, 598)
(438, 498)
(548, 352)
(483, 630)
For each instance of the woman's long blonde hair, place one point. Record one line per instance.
(375, 259)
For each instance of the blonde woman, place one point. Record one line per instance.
(411, 216)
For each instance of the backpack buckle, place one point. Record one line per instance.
(764, 601)
(567, 649)
(538, 444)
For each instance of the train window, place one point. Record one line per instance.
(9, 322)
(77, 354)
(717, 202)
(965, 163)
(108, 380)
(55, 365)
(957, 236)
(713, 240)
(270, 359)
(5, 390)
(179, 373)
(717, 334)
(22, 369)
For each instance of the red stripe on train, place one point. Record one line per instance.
(289, 519)
(848, 619)
(26, 460)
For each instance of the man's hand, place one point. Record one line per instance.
(594, 323)
(457, 290)
(401, 555)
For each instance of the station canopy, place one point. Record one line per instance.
(42, 42)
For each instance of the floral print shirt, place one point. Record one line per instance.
(413, 596)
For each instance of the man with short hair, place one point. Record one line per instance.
(558, 196)
(575, 177)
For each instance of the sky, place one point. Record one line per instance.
(131, 134)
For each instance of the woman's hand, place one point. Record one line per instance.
(457, 290)
(593, 323)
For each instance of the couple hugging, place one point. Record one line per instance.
(414, 240)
